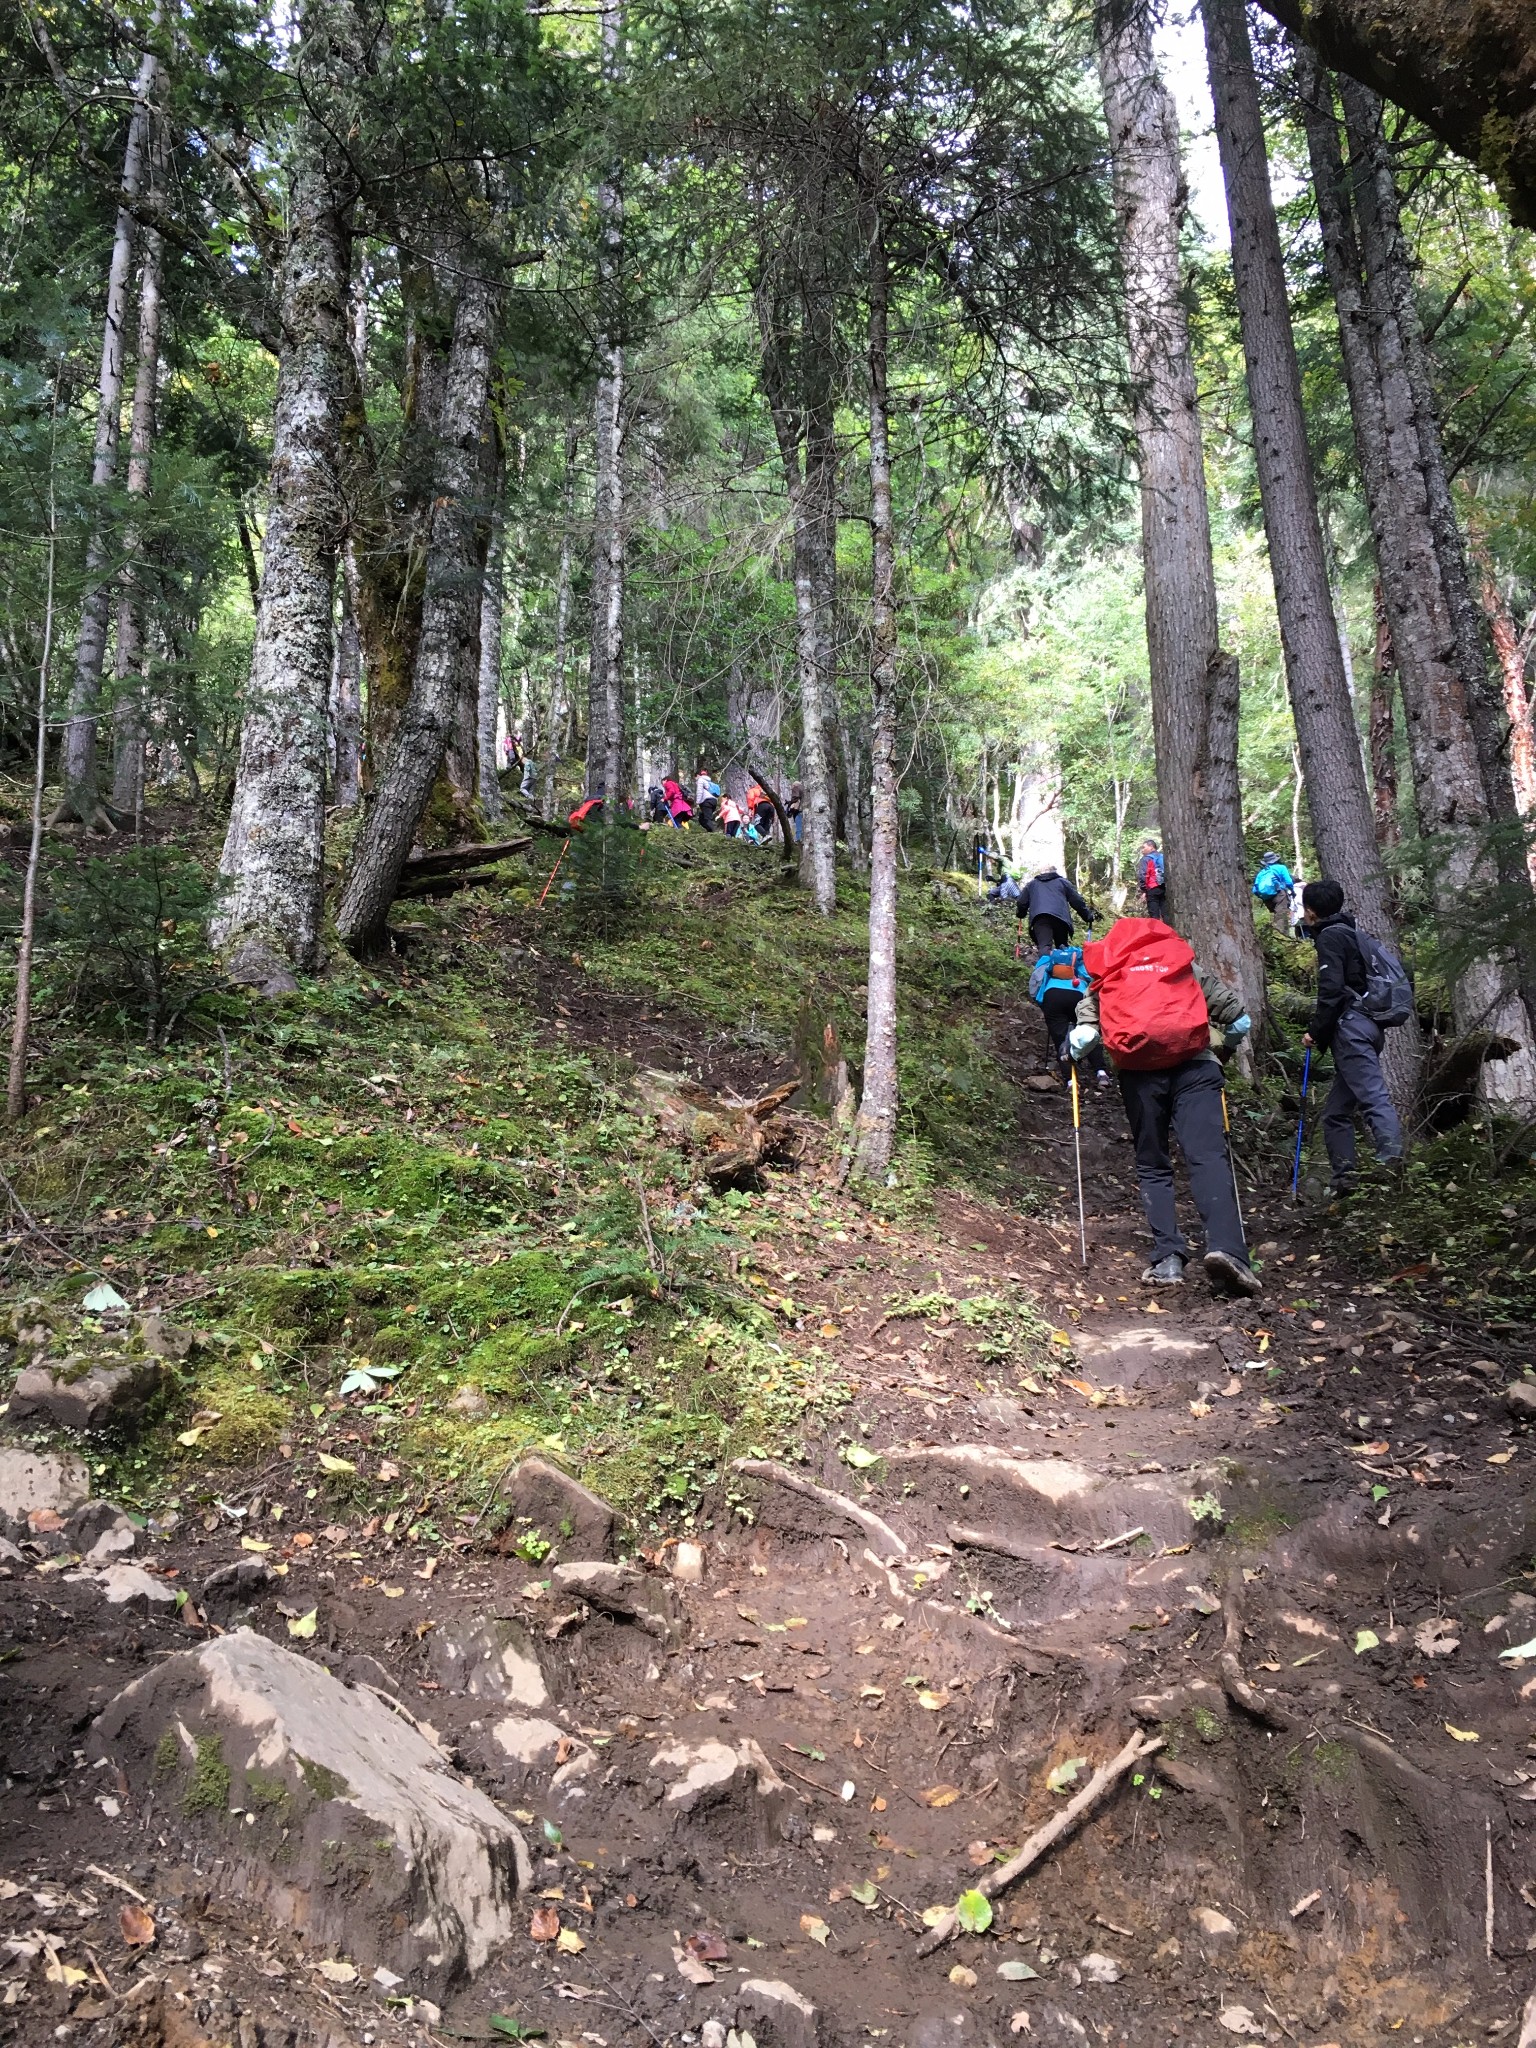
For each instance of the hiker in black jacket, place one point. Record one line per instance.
(1340, 1026)
(1046, 904)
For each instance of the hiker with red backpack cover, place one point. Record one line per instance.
(1151, 878)
(1165, 1025)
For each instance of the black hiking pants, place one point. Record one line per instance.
(1046, 932)
(1058, 1006)
(1184, 1102)
(1156, 898)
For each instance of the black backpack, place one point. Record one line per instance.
(1388, 998)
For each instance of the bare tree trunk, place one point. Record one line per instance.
(128, 662)
(445, 655)
(1383, 747)
(80, 798)
(1449, 792)
(605, 711)
(488, 705)
(1517, 697)
(559, 693)
(268, 922)
(853, 800)
(804, 428)
(21, 1021)
(874, 1138)
(1194, 680)
(347, 704)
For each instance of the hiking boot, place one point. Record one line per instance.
(1341, 1190)
(1101, 1080)
(1229, 1275)
(1167, 1272)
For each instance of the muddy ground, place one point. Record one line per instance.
(1322, 1481)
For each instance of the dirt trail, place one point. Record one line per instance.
(1319, 1483)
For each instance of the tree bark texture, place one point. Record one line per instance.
(488, 703)
(450, 618)
(559, 688)
(78, 765)
(1465, 68)
(802, 410)
(1449, 794)
(128, 657)
(1194, 681)
(1517, 696)
(874, 1134)
(1331, 762)
(1383, 735)
(268, 922)
(347, 701)
(605, 685)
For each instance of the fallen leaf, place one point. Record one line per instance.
(938, 1796)
(932, 1915)
(707, 1947)
(978, 1854)
(934, 1702)
(189, 1437)
(1520, 1653)
(859, 1457)
(335, 1972)
(1366, 1639)
(1199, 1409)
(327, 1463)
(508, 2029)
(138, 1928)
(1064, 1774)
(865, 1894)
(818, 1930)
(569, 1942)
(1501, 1457)
(545, 1924)
(690, 1969)
(63, 1973)
(1016, 1972)
(253, 1543)
(973, 1910)
(962, 1978)
(304, 1627)
(1437, 1637)
(1462, 1734)
(1019, 2024)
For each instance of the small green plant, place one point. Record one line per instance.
(531, 1547)
(131, 930)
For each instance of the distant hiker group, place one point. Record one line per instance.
(1137, 1002)
(752, 819)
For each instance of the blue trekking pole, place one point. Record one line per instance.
(1301, 1124)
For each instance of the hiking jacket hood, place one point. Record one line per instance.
(1052, 895)
(1341, 974)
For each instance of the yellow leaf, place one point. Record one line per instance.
(330, 1464)
(940, 1795)
(253, 1543)
(569, 1942)
(393, 1592)
(304, 1626)
(818, 1930)
(933, 1701)
(1501, 1457)
(796, 1621)
(189, 1437)
(1463, 1734)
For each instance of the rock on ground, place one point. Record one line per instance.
(333, 1814)
(86, 1394)
(39, 1483)
(624, 1592)
(732, 1783)
(776, 2015)
(490, 1660)
(575, 1521)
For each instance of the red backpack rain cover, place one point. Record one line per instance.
(1152, 1013)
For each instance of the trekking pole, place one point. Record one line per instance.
(553, 872)
(1226, 1125)
(1077, 1146)
(1301, 1123)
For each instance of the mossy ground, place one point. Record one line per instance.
(403, 1169)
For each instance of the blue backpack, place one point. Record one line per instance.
(1062, 967)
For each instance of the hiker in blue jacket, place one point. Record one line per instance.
(1046, 904)
(1058, 981)
(1275, 886)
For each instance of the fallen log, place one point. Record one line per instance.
(453, 860)
(1056, 1829)
(732, 1139)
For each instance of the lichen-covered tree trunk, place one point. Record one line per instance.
(1465, 68)
(1331, 765)
(128, 656)
(268, 921)
(347, 701)
(605, 686)
(559, 689)
(1194, 680)
(78, 763)
(874, 1133)
(1449, 796)
(446, 663)
(488, 696)
(1383, 736)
